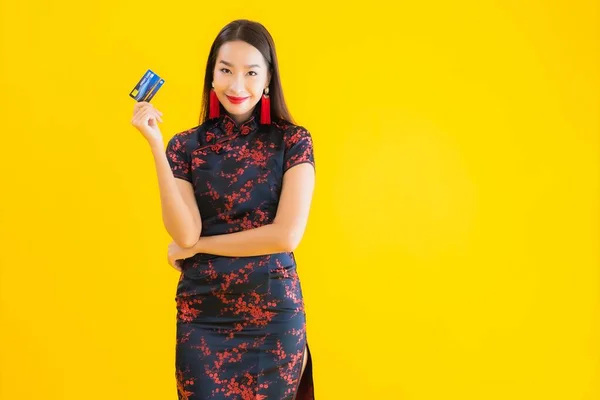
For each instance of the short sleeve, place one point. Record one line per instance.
(298, 148)
(179, 159)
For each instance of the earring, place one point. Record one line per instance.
(214, 109)
(265, 108)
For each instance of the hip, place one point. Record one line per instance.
(210, 274)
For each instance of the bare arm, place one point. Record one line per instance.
(287, 229)
(180, 213)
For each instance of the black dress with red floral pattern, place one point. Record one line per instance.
(241, 325)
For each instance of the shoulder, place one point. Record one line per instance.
(191, 137)
(182, 137)
(292, 133)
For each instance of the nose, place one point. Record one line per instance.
(237, 84)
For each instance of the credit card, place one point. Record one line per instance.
(147, 87)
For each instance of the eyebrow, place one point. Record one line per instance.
(247, 66)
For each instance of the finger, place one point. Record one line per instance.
(149, 112)
(139, 111)
(135, 120)
(152, 114)
(174, 264)
(139, 106)
(155, 117)
(146, 115)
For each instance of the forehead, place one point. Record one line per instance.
(240, 53)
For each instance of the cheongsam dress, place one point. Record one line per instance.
(241, 324)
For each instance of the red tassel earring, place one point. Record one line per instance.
(265, 108)
(214, 105)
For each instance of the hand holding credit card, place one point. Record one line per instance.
(147, 87)
(145, 116)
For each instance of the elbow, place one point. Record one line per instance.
(289, 240)
(184, 241)
(187, 244)
(188, 241)
(186, 238)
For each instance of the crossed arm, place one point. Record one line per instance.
(283, 235)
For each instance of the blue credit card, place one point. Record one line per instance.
(147, 87)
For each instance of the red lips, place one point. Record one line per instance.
(237, 100)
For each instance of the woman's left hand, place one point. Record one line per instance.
(177, 253)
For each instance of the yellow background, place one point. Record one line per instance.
(452, 250)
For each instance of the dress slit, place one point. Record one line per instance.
(306, 390)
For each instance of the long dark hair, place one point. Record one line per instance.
(256, 35)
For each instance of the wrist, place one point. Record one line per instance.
(156, 146)
(197, 248)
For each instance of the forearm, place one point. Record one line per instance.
(267, 239)
(177, 218)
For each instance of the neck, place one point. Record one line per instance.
(240, 119)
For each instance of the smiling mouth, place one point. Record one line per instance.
(237, 100)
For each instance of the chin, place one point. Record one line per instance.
(239, 110)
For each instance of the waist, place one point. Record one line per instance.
(204, 265)
(286, 258)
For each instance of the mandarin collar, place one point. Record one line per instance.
(230, 127)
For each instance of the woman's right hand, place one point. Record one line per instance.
(145, 119)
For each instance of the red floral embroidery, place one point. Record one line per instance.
(241, 328)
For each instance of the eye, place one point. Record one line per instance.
(252, 72)
(225, 70)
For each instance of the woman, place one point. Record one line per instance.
(235, 194)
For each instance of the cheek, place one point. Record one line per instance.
(257, 87)
(219, 80)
